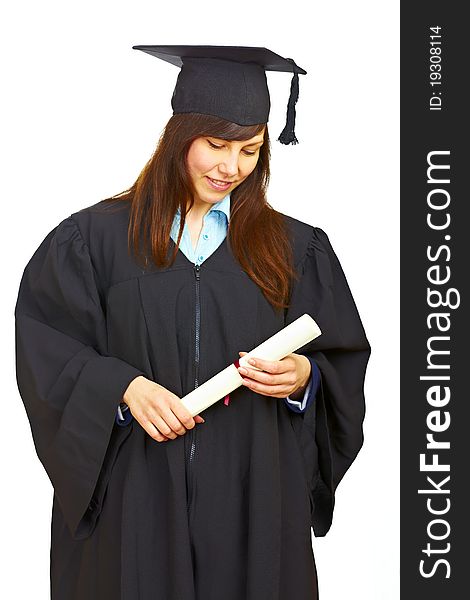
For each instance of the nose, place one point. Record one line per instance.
(229, 165)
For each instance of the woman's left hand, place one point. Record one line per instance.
(278, 378)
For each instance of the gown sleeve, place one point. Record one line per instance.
(69, 386)
(332, 426)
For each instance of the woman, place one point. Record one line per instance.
(127, 303)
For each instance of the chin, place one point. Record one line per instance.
(213, 199)
(213, 195)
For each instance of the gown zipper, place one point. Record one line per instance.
(192, 432)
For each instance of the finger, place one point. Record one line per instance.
(275, 376)
(270, 366)
(287, 380)
(163, 427)
(275, 391)
(174, 423)
(266, 378)
(153, 432)
(182, 413)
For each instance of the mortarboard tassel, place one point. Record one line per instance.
(288, 134)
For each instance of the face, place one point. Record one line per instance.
(218, 166)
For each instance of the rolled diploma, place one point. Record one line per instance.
(287, 340)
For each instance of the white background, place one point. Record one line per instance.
(81, 114)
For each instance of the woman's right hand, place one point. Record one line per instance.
(160, 412)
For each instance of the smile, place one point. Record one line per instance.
(217, 184)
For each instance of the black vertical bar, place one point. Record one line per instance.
(435, 258)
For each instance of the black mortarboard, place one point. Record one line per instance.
(228, 82)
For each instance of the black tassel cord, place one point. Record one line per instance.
(288, 133)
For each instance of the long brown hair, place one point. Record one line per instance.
(257, 233)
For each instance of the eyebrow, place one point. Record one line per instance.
(243, 141)
(257, 142)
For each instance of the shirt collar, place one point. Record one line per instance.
(223, 205)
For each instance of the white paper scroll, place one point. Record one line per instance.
(287, 340)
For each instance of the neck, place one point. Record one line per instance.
(199, 209)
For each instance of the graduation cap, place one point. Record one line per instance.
(228, 82)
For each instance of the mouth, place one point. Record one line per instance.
(218, 184)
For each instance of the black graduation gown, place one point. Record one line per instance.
(135, 519)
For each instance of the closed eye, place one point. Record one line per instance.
(212, 145)
(218, 147)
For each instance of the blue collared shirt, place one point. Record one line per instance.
(213, 232)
